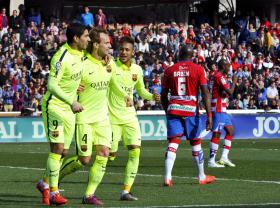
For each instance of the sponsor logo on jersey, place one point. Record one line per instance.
(76, 76)
(102, 85)
(134, 77)
(129, 90)
(186, 108)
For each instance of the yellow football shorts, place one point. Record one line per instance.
(59, 125)
(129, 133)
(88, 135)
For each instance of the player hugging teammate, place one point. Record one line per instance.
(106, 113)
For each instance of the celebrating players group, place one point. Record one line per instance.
(90, 97)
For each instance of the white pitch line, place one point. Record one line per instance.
(160, 150)
(211, 205)
(150, 175)
(42, 152)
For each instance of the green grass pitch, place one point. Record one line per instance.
(255, 182)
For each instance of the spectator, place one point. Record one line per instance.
(147, 72)
(161, 55)
(16, 72)
(224, 20)
(246, 100)
(272, 92)
(256, 61)
(240, 23)
(43, 29)
(253, 35)
(1, 107)
(274, 104)
(251, 104)
(157, 71)
(45, 71)
(1, 94)
(162, 37)
(87, 18)
(18, 102)
(254, 20)
(169, 62)
(32, 34)
(101, 20)
(3, 75)
(32, 105)
(22, 86)
(268, 63)
(52, 29)
(8, 94)
(218, 45)
(14, 23)
(154, 46)
(262, 99)
(235, 64)
(172, 30)
(246, 72)
(4, 24)
(172, 44)
(261, 41)
(156, 87)
(144, 46)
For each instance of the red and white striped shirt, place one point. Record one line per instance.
(218, 84)
(183, 79)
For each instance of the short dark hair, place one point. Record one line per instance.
(186, 52)
(74, 29)
(126, 39)
(94, 35)
(222, 63)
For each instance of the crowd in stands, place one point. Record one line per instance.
(249, 43)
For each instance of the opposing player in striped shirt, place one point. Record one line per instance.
(221, 120)
(183, 81)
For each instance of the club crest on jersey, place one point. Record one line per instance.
(109, 68)
(57, 66)
(134, 77)
(55, 133)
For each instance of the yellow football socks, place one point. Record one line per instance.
(96, 174)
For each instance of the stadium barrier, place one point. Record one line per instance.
(247, 124)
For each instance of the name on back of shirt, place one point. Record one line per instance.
(181, 74)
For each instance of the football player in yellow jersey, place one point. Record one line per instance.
(93, 128)
(125, 125)
(59, 107)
